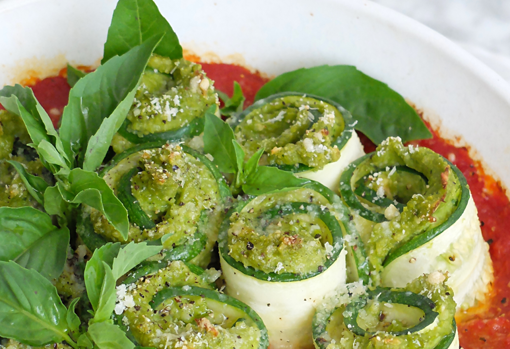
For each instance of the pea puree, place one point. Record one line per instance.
(292, 130)
(427, 205)
(173, 188)
(293, 243)
(192, 321)
(172, 93)
(13, 146)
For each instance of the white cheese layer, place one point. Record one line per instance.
(287, 308)
(460, 251)
(330, 174)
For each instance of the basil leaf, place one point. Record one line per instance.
(73, 75)
(99, 143)
(54, 203)
(35, 185)
(27, 235)
(240, 163)
(84, 341)
(131, 255)
(104, 93)
(30, 308)
(99, 281)
(252, 164)
(380, 111)
(107, 297)
(21, 101)
(90, 189)
(232, 105)
(218, 137)
(73, 321)
(271, 179)
(133, 23)
(108, 336)
(51, 155)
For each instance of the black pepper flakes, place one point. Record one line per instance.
(250, 246)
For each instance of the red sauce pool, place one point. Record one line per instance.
(488, 326)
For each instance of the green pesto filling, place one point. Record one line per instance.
(174, 189)
(294, 243)
(383, 318)
(172, 94)
(190, 320)
(292, 130)
(13, 146)
(427, 203)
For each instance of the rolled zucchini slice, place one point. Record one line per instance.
(421, 315)
(282, 253)
(415, 214)
(176, 307)
(174, 196)
(309, 135)
(169, 105)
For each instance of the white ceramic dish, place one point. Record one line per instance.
(274, 37)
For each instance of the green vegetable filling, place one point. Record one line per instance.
(171, 95)
(264, 237)
(405, 192)
(176, 192)
(292, 130)
(417, 316)
(14, 140)
(175, 307)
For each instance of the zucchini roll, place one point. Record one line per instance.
(173, 195)
(421, 315)
(415, 214)
(311, 136)
(282, 253)
(176, 307)
(14, 140)
(169, 105)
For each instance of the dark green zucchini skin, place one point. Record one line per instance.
(448, 340)
(171, 292)
(386, 294)
(338, 230)
(136, 215)
(135, 212)
(398, 297)
(340, 142)
(194, 128)
(349, 196)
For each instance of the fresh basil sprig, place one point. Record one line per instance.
(133, 22)
(32, 312)
(98, 105)
(229, 157)
(232, 105)
(380, 111)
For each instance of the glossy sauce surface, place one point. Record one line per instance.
(484, 327)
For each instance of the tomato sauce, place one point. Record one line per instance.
(487, 326)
